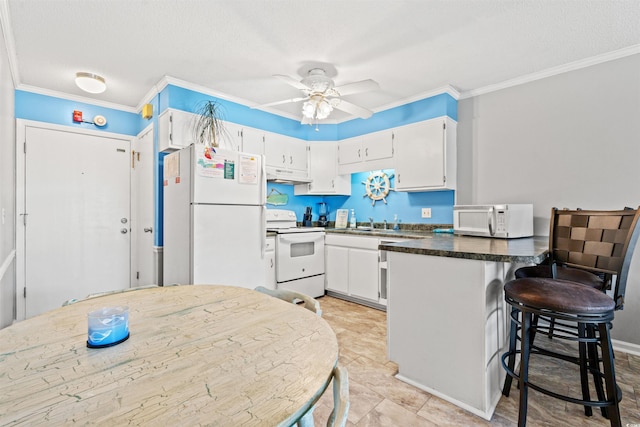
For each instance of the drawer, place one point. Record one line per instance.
(359, 242)
(270, 244)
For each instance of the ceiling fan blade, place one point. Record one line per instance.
(350, 108)
(286, 101)
(290, 80)
(357, 87)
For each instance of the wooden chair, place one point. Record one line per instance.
(293, 297)
(340, 375)
(341, 403)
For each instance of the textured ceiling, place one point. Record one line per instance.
(234, 47)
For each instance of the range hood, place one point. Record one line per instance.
(286, 176)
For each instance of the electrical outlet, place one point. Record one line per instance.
(426, 212)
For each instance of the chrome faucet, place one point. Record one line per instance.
(371, 222)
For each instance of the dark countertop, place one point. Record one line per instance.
(527, 249)
(378, 232)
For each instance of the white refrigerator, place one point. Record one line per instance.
(214, 218)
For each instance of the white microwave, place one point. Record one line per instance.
(501, 221)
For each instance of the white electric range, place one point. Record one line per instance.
(299, 253)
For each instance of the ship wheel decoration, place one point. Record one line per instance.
(377, 187)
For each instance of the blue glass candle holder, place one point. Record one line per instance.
(108, 326)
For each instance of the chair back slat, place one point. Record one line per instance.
(601, 242)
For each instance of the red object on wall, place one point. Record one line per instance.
(77, 116)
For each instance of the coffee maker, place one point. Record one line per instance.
(323, 213)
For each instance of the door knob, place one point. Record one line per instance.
(124, 231)
(148, 230)
(123, 220)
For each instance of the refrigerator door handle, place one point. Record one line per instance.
(263, 232)
(263, 180)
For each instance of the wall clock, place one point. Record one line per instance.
(377, 186)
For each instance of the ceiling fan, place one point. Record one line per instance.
(321, 96)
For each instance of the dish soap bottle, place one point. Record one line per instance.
(352, 221)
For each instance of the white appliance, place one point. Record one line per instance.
(502, 221)
(299, 253)
(214, 217)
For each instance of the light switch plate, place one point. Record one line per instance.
(426, 212)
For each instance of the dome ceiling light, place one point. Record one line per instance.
(91, 83)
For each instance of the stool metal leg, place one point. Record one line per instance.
(584, 372)
(609, 375)
(524, 368)
(513, 335)
(594, 366)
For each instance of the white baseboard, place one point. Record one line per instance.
(626, 347)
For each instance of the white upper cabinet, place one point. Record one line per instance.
(323, 170)
(175, 129)
(285, 157)
(283, 151)
(231, 137)
(252, 140)
(425, 155)
(366, 152)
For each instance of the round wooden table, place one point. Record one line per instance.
(198, 354)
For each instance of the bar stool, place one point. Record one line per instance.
(591, 311)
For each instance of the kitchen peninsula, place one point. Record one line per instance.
(446, 313)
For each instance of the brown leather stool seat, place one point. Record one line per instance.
(566, 302)
(563, 273)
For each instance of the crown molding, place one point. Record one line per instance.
(208, 91)
(572, 66)
(7, 33)
(77, 98)
(424, 95)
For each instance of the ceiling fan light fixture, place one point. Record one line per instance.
(316, 108)
(91, 83)
(323, 110)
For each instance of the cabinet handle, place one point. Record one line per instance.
(284, 159)
(358, 153)
(366, 152)
(290, 160)
(271, 262)
(333, 184)
(398, 177)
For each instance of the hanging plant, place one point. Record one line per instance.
(208, 126)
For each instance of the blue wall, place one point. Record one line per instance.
(49, 109)
(407, 206)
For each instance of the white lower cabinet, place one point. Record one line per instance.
(270, 263)
(352, 266)
(363, 273)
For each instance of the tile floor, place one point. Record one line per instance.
(378, 399)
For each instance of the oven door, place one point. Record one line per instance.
(299, 255)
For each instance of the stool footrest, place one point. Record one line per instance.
(593, 403)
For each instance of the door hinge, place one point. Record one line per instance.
(444, 125)
(25, 292)
(137, 275)
(25, 147)
(24, 219)
(444, 179)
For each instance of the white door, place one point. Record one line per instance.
(77, 196)
(142, 230)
